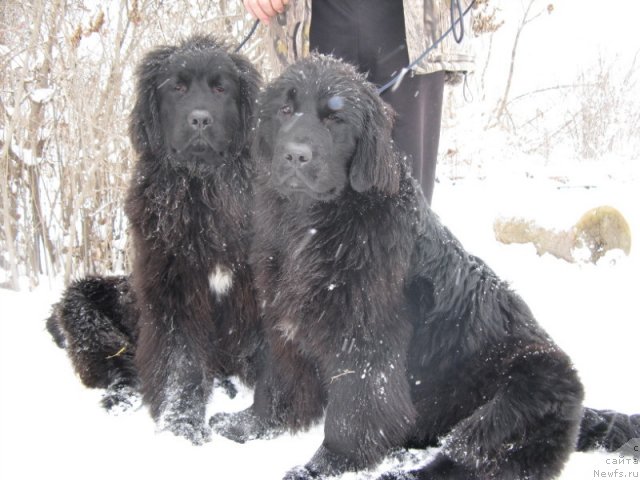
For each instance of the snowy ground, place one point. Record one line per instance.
(52, 426)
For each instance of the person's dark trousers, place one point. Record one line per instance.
(370, 35)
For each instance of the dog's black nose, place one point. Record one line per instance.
(298, 153)
(199, 119)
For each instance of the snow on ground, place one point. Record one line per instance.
(50, 425)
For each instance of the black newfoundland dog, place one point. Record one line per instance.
(188, 315)
(377, 317)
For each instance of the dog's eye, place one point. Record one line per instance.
(286, 110)
(180, 87)
(217, 89)
(332, 117)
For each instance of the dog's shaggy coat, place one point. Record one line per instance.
(375, 315)
(189, 208)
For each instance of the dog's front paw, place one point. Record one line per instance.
(328, 463)
(242, 426)
(324, 464)
(300, 473)
(397, 475)
(196, 434)
(190, 427)
(120, 399)
(303, 473)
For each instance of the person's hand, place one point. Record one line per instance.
(263, 10)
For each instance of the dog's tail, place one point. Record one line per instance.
(606, 429)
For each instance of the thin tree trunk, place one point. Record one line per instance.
(41, 241)
(7, 219)
(501, 108)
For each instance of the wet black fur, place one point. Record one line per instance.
(189, 208)
(374, 313)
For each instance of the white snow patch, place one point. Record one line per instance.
(42, 95)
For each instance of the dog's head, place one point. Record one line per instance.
(194, 101)
(322, 129)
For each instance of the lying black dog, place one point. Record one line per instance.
(375, 314)
(96, 320)
(190, 308)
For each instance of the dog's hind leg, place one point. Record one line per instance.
(527, 430)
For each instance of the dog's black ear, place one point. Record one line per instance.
(145, 130)
(375, 164)
(250, 81)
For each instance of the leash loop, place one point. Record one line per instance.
(395, 81)
(457, 35)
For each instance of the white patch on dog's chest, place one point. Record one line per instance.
(220, 280)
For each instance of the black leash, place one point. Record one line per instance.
(246, 39)
(457, 35)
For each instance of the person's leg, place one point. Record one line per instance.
(371, 36)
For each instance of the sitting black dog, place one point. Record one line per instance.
(376, 316)
(188, 314)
